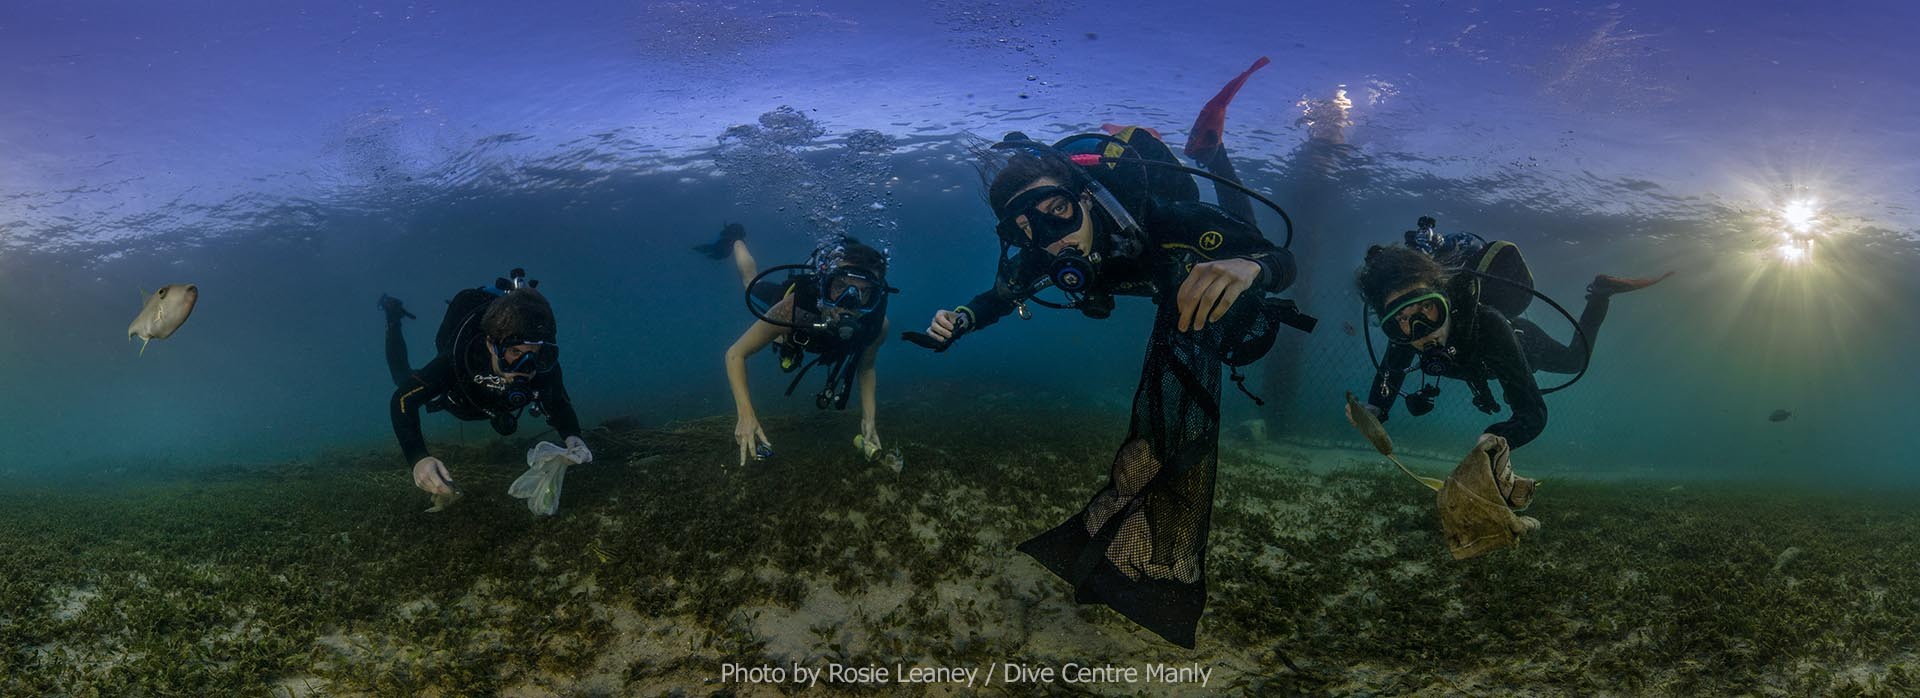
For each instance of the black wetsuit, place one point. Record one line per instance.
(1139, 546)
(1180, 234)
(462, 382)
(1488, 346)
(840, 355)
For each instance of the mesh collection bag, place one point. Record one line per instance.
(1140, 545)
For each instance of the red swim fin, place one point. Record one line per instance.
(1212, 122)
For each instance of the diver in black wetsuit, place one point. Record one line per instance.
(496, 357)
(1442, 319)
(834, 307)
(1139, 545)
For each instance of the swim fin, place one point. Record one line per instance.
(719, 249)
(1604, 285)
(394, 309)
(1205, 135)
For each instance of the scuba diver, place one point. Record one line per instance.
(1451, 304)
(1101, 215)
(835, 307)
(496, 357)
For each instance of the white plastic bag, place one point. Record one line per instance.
(546, 470)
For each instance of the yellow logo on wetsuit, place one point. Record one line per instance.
(1211, 240)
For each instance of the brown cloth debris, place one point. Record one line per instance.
(1478, 502)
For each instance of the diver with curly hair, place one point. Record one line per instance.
(1442, 313)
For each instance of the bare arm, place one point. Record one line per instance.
(750, 342)
(868, 381)
(747, 432)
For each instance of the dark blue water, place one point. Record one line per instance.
(296, 164)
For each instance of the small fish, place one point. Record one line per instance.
(162, 313)
(1348, 328)
(1779, 415)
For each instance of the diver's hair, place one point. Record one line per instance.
(1005, 172)
(858, 254)
(522, 314)
(1390, 268)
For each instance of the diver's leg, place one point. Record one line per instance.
(397, 355)
(1206, 143)
(743, 260)
(396, 342)
(1544, 353)
(1233, 200)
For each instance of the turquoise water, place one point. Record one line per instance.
(297, 163)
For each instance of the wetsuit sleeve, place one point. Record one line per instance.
(985, 309)
(1509, 365)
(1392, 374)
(1215, 235)
(558, 406)
(998, 302)
(410, 400)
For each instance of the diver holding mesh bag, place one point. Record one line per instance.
(1100, 215)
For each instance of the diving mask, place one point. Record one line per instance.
(509, 358)
(1415, 314)
(852, 290)
(1051, 213)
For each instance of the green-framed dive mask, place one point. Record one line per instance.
(1424, 310)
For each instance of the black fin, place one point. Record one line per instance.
(719, 249)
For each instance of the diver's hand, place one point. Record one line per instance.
(869, 439)
(1211, 288)
(746, 433)
(946, 325)
(431, 475)
(577, 451)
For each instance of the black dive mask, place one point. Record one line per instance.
(852, 290)
(529, 362)
(854, 293)
(1042, 207)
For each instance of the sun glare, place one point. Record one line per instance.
(1795, 251)
(1799, 215)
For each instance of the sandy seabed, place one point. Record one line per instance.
(668, 571)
